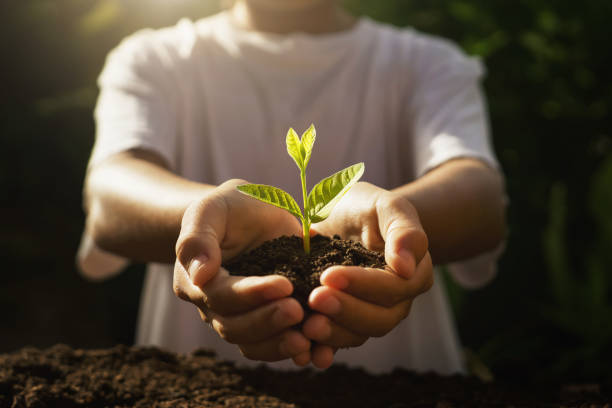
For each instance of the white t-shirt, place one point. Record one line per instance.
(216, 102)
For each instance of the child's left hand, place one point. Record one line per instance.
(357, 303)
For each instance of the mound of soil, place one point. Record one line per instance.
(148, 377)
(285, 256)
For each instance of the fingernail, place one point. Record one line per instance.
(277, 291)
(287, 313)
(195, 264)
(294, 345)
(336, 281)
(302, 359)
(329, 306)
(280, 317)
(273, 293)
(324, 332)
(408, 257)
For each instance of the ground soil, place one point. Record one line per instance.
(62, 377)
(285, 256)
(121, 377)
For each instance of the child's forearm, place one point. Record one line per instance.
(461, 207)
(135, 205)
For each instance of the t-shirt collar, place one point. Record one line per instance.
(288, 50)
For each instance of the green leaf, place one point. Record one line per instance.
(272, 195)
(308, 139)
(328, 191)
(294, 148)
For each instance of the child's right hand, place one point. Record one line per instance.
(255, 313)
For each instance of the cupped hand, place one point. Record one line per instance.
(356, 303)
(255, 313)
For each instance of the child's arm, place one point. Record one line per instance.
(135, 206)
(460, 205)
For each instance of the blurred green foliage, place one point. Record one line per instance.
(52, 52)
(549, 88)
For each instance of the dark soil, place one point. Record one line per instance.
(285, 256)
(120, 377)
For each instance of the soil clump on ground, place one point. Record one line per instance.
(123, 377)
(139, 377)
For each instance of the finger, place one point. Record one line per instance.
(322, 330)
(302, 360)
(184, 288)
(197, 247)
(356, 315)
(258, 324)
(378, 286)
(285, 345)
(405, 240)
(322, 356)
(229, 295)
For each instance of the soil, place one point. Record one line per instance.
(122, 377)
(62, 377)
(285, 256)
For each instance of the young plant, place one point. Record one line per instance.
(323, 196)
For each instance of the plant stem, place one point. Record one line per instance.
(306, 229)
(306, 220)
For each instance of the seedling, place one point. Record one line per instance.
(323, 196)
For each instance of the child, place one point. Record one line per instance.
(188, 111)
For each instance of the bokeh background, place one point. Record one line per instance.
(548, 315)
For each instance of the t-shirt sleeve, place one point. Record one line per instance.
(447, 113)
(136, 108)
(448, 120)
(137, 104)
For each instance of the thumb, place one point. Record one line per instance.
(197, 247)
(405, 240)
(200, 255)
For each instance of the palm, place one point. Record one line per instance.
(249, 223)
(355, 217)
